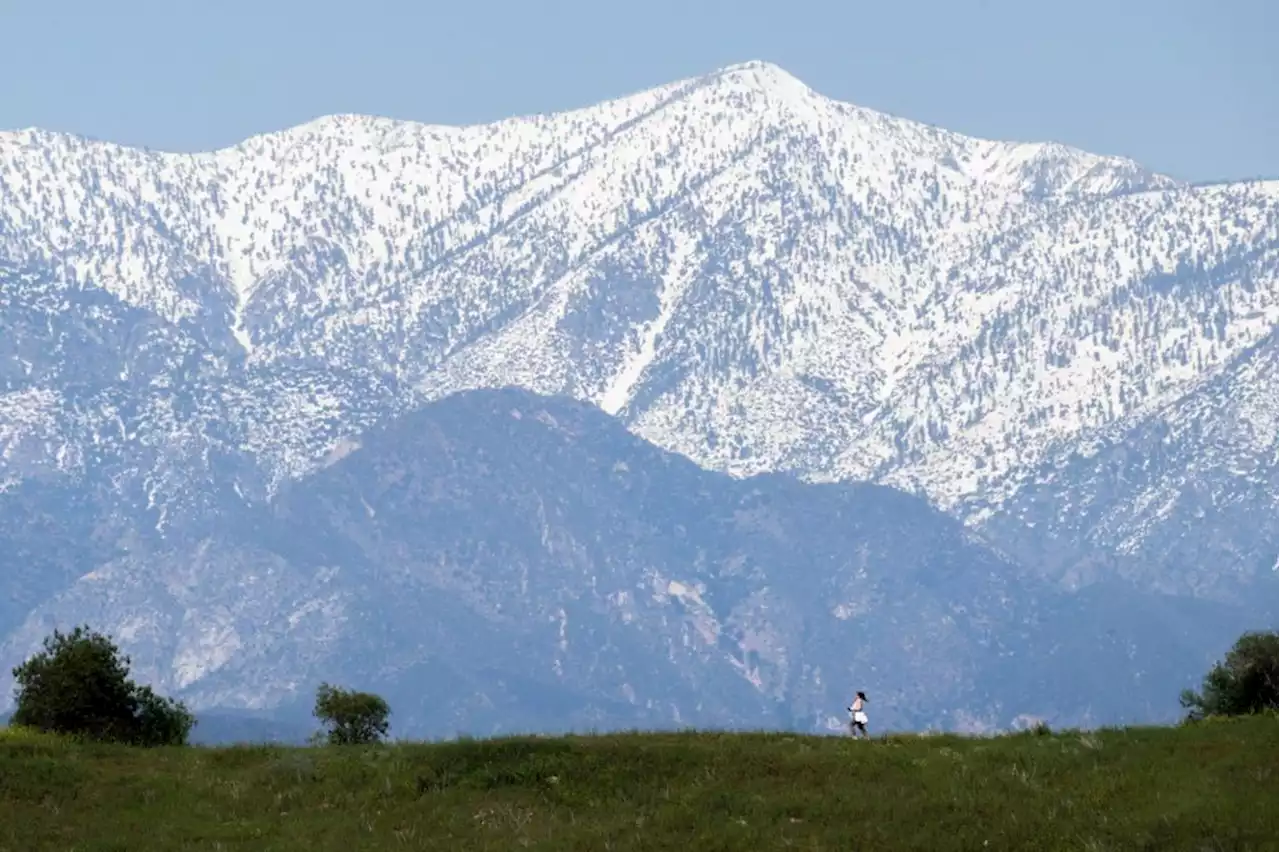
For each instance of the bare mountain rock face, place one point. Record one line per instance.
(990, 428)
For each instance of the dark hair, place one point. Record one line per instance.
(862, 695)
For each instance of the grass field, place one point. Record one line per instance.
(1211, 786)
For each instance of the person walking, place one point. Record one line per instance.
(858, 724)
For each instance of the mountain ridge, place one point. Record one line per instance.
(767, 75)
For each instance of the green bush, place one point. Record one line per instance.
(79, 685)
(1242, 684)
(352, 718)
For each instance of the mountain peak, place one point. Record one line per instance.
(768, 79)
(762, 71)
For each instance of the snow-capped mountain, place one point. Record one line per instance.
(1067, 352)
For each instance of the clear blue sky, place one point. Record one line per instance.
(1189, 88)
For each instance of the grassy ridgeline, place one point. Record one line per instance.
(1207, 786)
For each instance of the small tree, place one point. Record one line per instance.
(353, 718)
(1245, 682)
(160, 720)
(79, 684)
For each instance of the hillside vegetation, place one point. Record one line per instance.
(1209, 785)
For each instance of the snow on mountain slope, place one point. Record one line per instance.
(1087, 317)
(1183, 501)
(744, 271)
(327, 229)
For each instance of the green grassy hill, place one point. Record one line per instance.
(1211, 786)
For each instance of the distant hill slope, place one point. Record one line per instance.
(501, 561)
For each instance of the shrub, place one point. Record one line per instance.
(352, 718)
(79, 685)
(160, 720)
(1244, 683)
